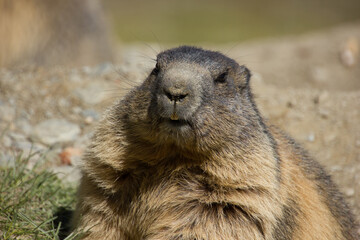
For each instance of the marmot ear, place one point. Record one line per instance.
(243, 76)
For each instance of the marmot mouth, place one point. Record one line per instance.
(177, 123)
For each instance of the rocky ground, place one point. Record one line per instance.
(307, 85)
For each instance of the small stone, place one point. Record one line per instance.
(311, 137)
(89, 120)
(349, 192)
(55, 131)
(27, 148)
(323, 113)
(91, 113)
(336, 168)
(67, 174)
(93, 93)
(17, 136)
(23, 145)
(316, 100)
(24, 126)
(71, 156)
(350, 52)
(290, 104)
(257, 78)
(90, 116)
(103, 69)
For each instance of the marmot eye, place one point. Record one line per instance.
(222, 77)
(156, 70)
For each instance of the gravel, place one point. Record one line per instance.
(56, 131)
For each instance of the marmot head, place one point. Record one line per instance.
(193, 99)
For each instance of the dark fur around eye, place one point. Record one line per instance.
(222, 77)
(156, 70)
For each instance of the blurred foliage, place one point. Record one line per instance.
(189, 21)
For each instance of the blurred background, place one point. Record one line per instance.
(214, 21)
(85, 32)
(62, 62)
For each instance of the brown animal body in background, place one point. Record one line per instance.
(52, 32)
(186, 155)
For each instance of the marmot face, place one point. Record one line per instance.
(199, 100)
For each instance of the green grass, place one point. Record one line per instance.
(29, 200)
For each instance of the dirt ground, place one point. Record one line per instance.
(300, 82)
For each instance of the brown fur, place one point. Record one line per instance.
(52, 32)
(224, 174)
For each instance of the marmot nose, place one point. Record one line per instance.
(177, 96)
